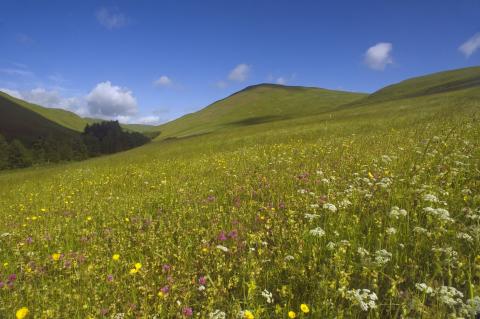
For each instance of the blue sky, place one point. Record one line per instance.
(152, 61)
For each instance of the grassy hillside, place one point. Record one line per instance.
(429, 84)
(18, 121)
(369, 211)
(69, 119)
(255, 105)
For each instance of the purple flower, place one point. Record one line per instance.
(233, 234)
(165, 289)
(110, 278)
(222, 236)
(187, 311)
(166, 267)
(29, 240)
(12, 277)
(202, 280)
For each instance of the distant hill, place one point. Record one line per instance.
(270, 102)
(31, 134)
(19, 121)
(257, 104)
(430, 84)
(69, 119)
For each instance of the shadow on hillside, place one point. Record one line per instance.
(176, 138)
(258, 120)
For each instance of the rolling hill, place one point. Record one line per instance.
(255, 105)
(66, 118)
(19, 121)
(264, 103)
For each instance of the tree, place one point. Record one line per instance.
(19, 156)
(4, 148)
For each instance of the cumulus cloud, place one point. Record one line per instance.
(111, 18)
(108, 100)
(239, 73)
(471, 45)
(163, 81)
(379, 56)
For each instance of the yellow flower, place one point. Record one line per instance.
(116, 257)
(292, 314)
(248, 314)
(304, 308)
(133, 271)
(22, 313)
(56, 256)
(138, 266)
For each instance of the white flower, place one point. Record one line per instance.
(382, 257)
(440, 213)
(310, 217)
(217, 314)
(449, 296)
(424, 288)
(344, 203)
(331, 245)
(222, 248)
(289, 258)
(330, 207)
(396, 212)
(363, 298)
(465, 236)
(391, 231)
(267, 295)
(430, 198)
(362, 252)
(318, 232)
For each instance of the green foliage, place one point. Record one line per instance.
(108, 137)
(4, 162)
(18, 155)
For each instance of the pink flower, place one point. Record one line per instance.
(222, 236)
(202, 280)
(187, 312)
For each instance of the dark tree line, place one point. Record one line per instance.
(97, 139)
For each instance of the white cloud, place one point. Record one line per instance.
(471, 45)
(163, 81)
(281, 80)
(107, 100)
(13, 93)
(239, 73)
(379, 56)
(111, 18)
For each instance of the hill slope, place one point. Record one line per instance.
(436, 83)
(257, 104)
(69, 119)
(21, 122)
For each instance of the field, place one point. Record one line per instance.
(359, 212)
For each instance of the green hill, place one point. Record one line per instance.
(19, 121)
(69, 119)
(430, 84)
(255, 105)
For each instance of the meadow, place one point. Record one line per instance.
(355, 213)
